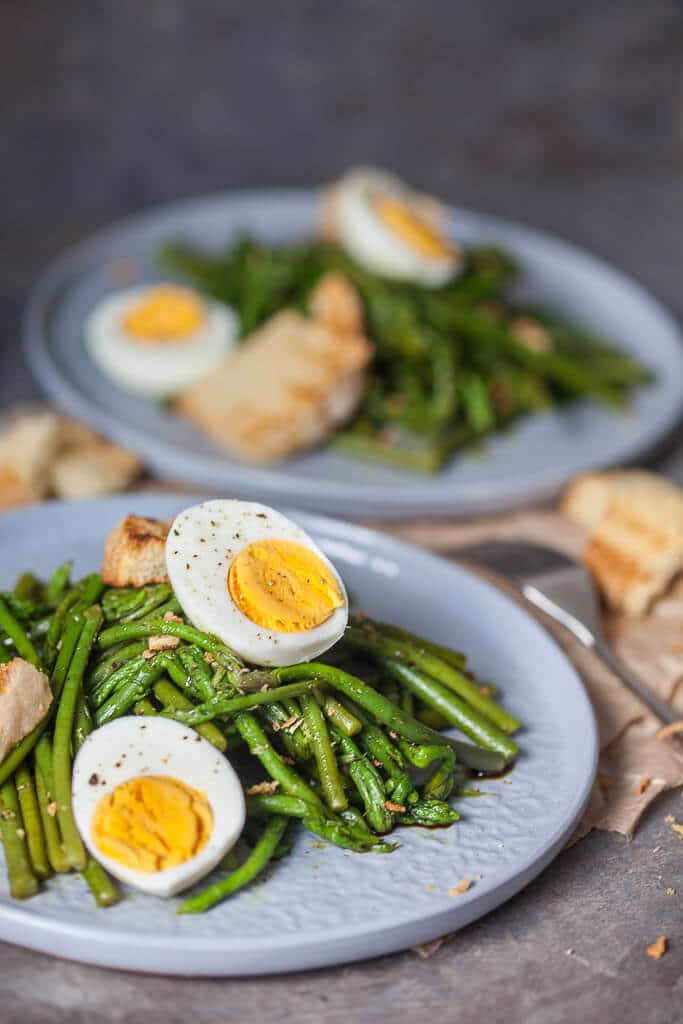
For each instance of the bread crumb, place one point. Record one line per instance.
(669, 819)
(462, 886)
(391, 806)
(670, 891)
(570, 951)
(657, 950)
(21, 833)
(678, 829)
(52, 808)
(162, 643)
(262, 787)
(148, 655)
(209, 658)
(672, 729)
(656, 849)
(426, 949)
(643, 783)
(171, 617)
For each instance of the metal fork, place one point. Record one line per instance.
(562, 589)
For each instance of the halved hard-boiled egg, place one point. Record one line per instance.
(384, 225)
(156, 803)
(255, 579)
(157, 340)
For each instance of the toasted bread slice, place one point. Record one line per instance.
(25, 698)
(285, 389)
(95, 470)
(135, 553)
(27, 450)
(635, 524)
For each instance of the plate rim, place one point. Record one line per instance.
(47, 934)
(207, 469)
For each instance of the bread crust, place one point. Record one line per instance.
(25, 699)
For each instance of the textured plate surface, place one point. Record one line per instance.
(533, 460)
(322, 905)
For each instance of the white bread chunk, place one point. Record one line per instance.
(27, 451)
(634, 520)
(135, 553)
(25, 699)
(290, 384)
(95, 470)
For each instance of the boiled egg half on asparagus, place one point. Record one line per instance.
(255, 579)
(157, 340)
(155, 803)
(392, 230)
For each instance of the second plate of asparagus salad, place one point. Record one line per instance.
(236, 740)
(359, 348)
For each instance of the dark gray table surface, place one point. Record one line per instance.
(568, 116)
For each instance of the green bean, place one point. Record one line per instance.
(346, 831)
(381, 647)
(255, 863)
(454, 658)
(429, 813)
(224, 706)
(295, 743)
(319, 738)
(29, 587)
(134, 689)
(17, 635)
(259, 746)
(153, 598)
(441, 782)
(260, 804)
(145, 707)
(173, 700)
(58, 584)
(339, 716)
(469, 721)
(54, 632)
(198, 671)
(368, 782)
(135, 630)
(61, 747)
(367, 698)
(114, 660)
(53, 840)
(117, 680)
(35, 838)
(73, 627)
(22, 882)
(100, 884)
(381, 748)
(83, 724)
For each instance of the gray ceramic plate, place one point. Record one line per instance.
(534, 460)
(323, 905)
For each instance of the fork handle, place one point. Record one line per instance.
(659, 707)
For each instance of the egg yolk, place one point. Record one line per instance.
(411, 228)
(152, 822)
(283, 586)
(166, 313)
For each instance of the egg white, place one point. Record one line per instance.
(158, 369)
(130, 747)
(202, 544)
(372, 243)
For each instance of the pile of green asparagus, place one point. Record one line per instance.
(452, 365)
(332, 744)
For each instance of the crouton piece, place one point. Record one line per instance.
(135, 553)
(25, 699)
(27, 450)
(73, 435)
(335, 303)
(93, 471)
(14, 491)
(634, 521)
(285, 389)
